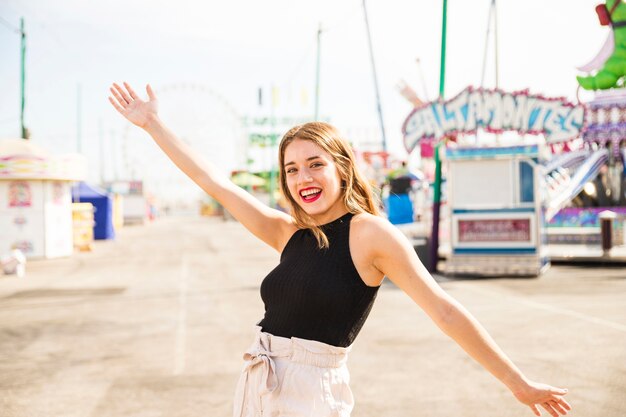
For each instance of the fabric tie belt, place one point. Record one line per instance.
(260, 355)
(266, 347)
(263, 356)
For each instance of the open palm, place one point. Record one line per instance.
(131, 106)
(546, 396)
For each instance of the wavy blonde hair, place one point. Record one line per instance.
(358, 196)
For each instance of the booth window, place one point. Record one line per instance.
(527, 183)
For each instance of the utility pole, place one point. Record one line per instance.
(79, 145)
(378, 105)
(273, 138)
(493, 15)
(421, 73)
(101, 146)
(495, 25)
(317, 74)
(22, 78)
(114, 154)
(434, 238)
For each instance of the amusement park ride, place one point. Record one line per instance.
(507, 203)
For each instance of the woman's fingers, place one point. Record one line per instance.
(131, 91)
(151, 94)
(558, 402)
(535, 410)
(563, 403)
(116, 105)
(123, 93)
(121, 101)
(558, 407)
(550, 409)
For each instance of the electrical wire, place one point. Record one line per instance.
(300, 63)
(9, 25)
(324, 29)
(344, 19)
(9, 119)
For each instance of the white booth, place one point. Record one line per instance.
(496, 211)
(35, 199)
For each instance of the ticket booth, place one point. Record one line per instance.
(35, 200)
(496, 211)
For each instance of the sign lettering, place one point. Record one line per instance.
(494, 111)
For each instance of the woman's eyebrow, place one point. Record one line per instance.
(308, 159)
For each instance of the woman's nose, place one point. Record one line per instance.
(304, 176)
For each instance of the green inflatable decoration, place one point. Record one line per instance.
(612, 13)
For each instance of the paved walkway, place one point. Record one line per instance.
(154, 324)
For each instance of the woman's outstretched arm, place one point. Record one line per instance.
(271, 226)
(392, 254)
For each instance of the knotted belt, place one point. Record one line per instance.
(260, 354)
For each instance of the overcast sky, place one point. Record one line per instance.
(207, 60)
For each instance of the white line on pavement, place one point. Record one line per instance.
(546, 307)
(181, 325)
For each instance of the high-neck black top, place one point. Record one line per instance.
(317, 294)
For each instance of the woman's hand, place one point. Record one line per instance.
(132, 107)
(535, 394)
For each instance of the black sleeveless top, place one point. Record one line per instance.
(317, 294)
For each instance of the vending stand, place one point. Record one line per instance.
(496, 211)
(35, 199)
(495, 193)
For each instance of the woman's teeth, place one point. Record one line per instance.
(310, 195)
(309, 192)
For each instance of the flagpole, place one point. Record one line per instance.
(434, 238)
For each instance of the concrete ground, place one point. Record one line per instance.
(154, 324)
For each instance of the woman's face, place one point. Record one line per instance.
(313, 181)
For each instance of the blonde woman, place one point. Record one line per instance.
(335, 251)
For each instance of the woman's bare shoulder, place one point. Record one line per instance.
(376, 235)
(367, 223)
(372, 231)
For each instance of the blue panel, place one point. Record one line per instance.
(475, 153)
(103, 209)
(495, 211)
(494, 251)
(526, 183)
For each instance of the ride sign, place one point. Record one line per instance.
(495, 111)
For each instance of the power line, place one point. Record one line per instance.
(300, 63)
(9, 119)
(38, 22)
(345, 18)
(9, 25)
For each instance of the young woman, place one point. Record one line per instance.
(335, 251)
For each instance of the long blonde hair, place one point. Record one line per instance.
(358, 196)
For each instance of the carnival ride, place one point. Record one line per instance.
(599, 183)
(582, 174)
(562, 187)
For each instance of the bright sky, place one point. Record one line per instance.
(226, 50)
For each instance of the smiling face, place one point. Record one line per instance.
(313, 181)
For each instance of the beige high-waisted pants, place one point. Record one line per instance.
(293, 378)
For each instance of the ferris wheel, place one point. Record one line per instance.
(202, 118)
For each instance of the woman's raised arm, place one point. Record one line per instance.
(390, 252)
(271, 226)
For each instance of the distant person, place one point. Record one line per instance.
(335, 252)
